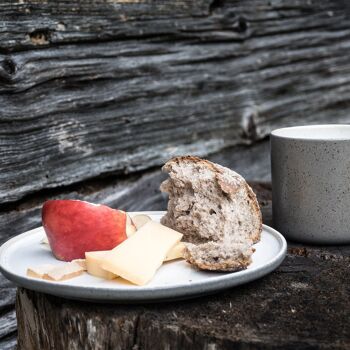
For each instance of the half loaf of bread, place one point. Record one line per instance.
(216, 211)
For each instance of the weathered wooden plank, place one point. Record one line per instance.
(7, 295)
(64, 21)
(117, 20)
(128, 96)
(8, 324)
(9, 343)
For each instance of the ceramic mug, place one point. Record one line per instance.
(311, 183)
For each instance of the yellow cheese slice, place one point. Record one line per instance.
(64, 272)
(176, 252)
(81, 263)
(39, 271)
(138, 258)
(93, 265)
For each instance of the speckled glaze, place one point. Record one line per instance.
(311, 183)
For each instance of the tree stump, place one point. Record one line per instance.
(303, 304)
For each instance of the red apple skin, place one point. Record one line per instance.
(74, 227)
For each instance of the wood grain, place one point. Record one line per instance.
(9, 343)
(8, 323)
(106, 87)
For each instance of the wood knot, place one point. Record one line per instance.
(40, 37)
(241, 25)
(9, 65)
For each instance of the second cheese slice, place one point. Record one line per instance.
(138, 258)
(93, 265)
(176, 252)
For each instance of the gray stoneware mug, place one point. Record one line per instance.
(311, 183)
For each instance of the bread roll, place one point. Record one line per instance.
(216, 211)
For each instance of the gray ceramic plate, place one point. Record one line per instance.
(174, 280)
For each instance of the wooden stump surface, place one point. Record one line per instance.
(304, 304)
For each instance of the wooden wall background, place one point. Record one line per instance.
(95, 95)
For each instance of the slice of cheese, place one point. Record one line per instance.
(93, 265)
(138, 258)
(64, 272)
(39, 271)
(140, 219)
(176, 252)
(81, 262)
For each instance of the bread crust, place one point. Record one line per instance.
(255, 235)
(229, 266)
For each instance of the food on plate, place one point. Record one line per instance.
(130, 226)
(56, 273)
(74, 227)
(216, 211)
(94, 261)
(93, 264)
(138, 258)
(64, 272)
(81, 263)
(176, 252)
(210, 206)
(39, 271)
(140, 219)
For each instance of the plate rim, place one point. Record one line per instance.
(143, 294)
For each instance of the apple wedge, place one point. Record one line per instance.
(74, 227)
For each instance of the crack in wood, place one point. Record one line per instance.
(215, 5)
(40, 36)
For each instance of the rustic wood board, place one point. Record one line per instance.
(100, 87)
(8, 323)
